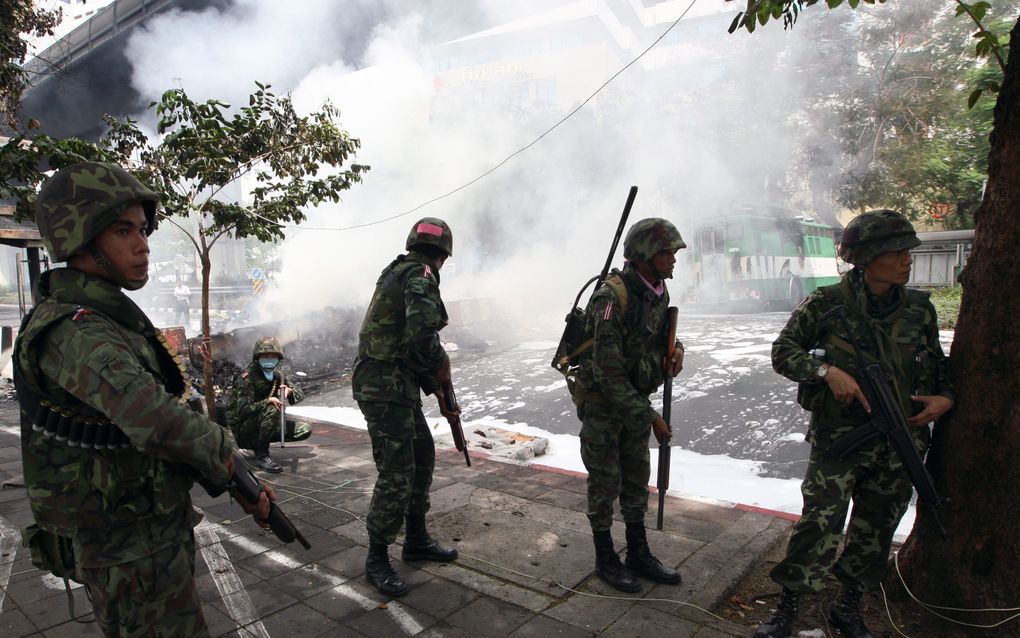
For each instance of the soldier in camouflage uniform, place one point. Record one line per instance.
(253, 414)
(898, 329)
(626, 318)
(109, 451)
(399, 356)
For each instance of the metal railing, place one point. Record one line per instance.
(97, 30)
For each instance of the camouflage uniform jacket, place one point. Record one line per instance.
(624, 365)
(90, 350)
(899, 331)
(249, 397)
(399, 351)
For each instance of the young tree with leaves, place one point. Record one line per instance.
(973, 456)
(18, 18)
(294, 161)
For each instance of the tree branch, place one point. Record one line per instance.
(995, 50)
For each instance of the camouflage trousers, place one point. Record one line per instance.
(405, 456)
(875, 478)
(151, 597)
(257, 433)
(615, 453)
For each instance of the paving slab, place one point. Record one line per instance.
(526, 564)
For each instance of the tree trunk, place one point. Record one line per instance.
(974, 455)
(207, 353)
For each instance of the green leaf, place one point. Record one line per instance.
(974, 97)
(736, 22)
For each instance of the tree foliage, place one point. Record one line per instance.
(18, 18)
(908, 137)
(272, 161)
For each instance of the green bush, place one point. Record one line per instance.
(947, 304)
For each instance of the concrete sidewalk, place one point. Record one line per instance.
(526, 564)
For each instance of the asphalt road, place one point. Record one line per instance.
(727, 400)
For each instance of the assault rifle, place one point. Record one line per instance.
(450, 399)
(248, 487)
(886, 420)
(573, 333)
(662, 480)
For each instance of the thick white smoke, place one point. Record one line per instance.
(533, 231)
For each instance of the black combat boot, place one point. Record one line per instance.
(265, 462)
(418, 545)
(780, 624)
(640, 559)
(608, 566)
(846, 615)
(380, 574)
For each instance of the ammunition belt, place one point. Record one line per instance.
(77, 431)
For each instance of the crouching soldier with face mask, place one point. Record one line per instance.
(253, 414)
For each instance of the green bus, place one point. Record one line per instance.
(760, 259)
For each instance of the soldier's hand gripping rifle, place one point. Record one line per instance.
(573, 332)
(887, 419)
(662, 479)
(249, 488)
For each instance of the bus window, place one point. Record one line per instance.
(706, 242)
(734, 232)
(719, 240)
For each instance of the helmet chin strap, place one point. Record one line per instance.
(112, 273)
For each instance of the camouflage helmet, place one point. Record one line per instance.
(77, 202)
(873, 233)
(267, 345)
(649, 236)
(433, 231)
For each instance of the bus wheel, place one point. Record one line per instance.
(796, 292)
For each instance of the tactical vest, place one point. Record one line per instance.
(902, 351)
(643, 347)
(74, 487)
(382, 332)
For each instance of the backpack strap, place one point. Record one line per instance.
(616, 284)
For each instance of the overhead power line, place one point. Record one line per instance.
(509, 157)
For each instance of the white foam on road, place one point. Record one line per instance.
(712, 477)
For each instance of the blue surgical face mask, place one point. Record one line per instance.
(268, 364)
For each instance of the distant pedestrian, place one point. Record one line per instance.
(253, 410)
(399, 356)
(897, 328)
(626, 320)
(109, 451)
(182, 304)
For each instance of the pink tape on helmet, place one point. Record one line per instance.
(429, 229)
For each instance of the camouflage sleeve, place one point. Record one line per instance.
(609, 366)
(790, 356)
(943, 384)
(297, 395)
(245, 405)
(422, 322)
(92, 362)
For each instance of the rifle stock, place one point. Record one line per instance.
(450, 398)
(248, 487)
(887, 419)
(662, 478)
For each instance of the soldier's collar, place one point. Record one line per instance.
(70, 285)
